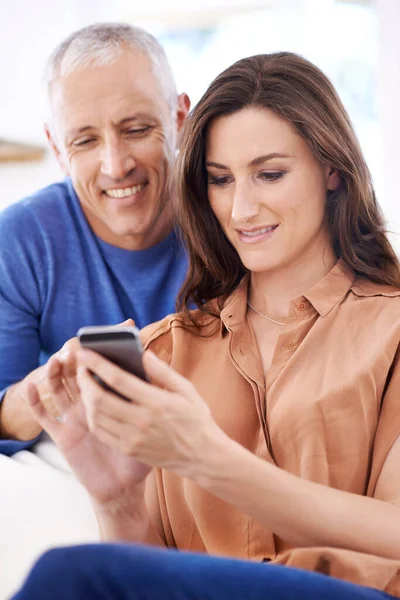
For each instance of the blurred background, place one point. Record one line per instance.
(355, 42)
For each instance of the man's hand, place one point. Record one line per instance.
(17, 421)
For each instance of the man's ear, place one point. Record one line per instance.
(333, 179)
(55, 150)
(182, 111)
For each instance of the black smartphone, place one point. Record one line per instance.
(119, 344)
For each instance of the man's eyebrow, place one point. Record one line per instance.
(256, 161)
(78, 130)
(135, 117)
(124, 121)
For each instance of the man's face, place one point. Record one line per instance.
(114, 134)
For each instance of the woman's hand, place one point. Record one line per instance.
(112, 478)
(164, 424)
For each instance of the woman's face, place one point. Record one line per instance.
(267, 190)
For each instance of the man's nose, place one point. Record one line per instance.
(117, 160)
(245, 205)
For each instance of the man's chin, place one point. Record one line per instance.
(138, 238)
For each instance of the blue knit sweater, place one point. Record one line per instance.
(56, 276)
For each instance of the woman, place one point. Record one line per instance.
(270, 432)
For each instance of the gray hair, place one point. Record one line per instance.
(102, 44)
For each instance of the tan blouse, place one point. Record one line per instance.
(328, 411)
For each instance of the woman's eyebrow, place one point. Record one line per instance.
(256, 161)
(266, 157)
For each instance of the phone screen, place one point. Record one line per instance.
(120, 345)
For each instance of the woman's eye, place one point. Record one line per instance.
(218, 180)
(271, 175)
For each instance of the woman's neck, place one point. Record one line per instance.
(271, 292)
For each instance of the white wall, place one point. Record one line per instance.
(29, 30)
(389, 108)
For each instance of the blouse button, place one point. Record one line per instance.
(289, 345)
(302, 306)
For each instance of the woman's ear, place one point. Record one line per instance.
(333, 179)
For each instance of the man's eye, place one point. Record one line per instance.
(271, 175)
(83, 142)
(223, 180)
(138, 130)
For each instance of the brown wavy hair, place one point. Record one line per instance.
(297, 91)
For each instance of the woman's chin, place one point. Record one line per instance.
(260, 266)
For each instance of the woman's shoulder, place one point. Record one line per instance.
(370, 289)
(159, 336)
(385, 297)
(379, 302)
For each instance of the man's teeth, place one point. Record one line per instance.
(125, 192)
(258, 232)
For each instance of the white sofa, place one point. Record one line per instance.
(42, 505)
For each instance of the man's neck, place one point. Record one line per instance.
(154, 234)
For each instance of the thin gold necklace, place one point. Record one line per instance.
(265, 316)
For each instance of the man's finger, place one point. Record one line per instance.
(55, 385)
(47, 421)
(128, 322)
(68, 366)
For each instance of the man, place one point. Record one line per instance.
(98, 248)
(95, 249)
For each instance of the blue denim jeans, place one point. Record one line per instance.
(129, 572)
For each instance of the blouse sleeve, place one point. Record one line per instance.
(388, 423)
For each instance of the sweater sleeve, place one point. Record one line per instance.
(21, 261)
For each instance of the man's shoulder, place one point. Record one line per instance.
(45, 205)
